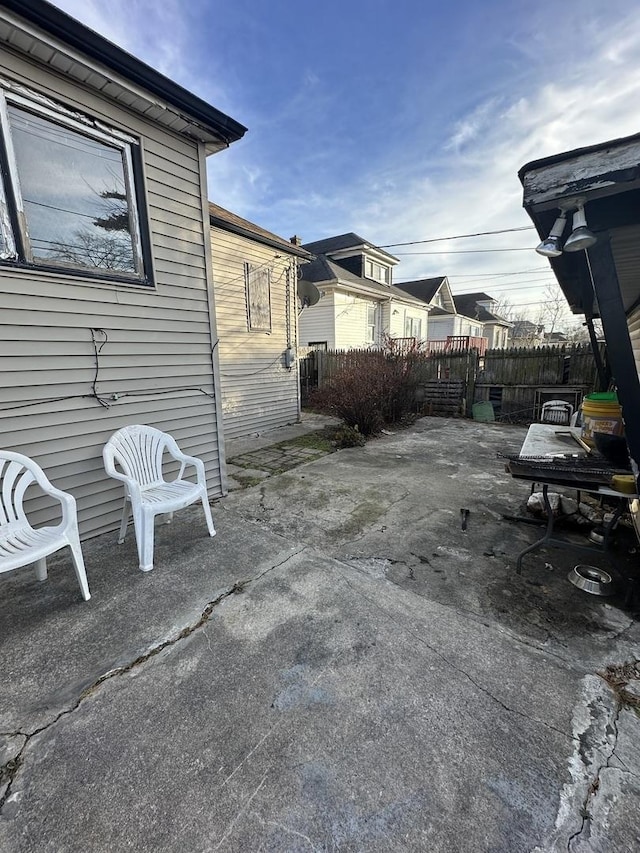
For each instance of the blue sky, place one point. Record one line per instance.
(401, 121)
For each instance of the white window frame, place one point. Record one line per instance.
(412, 327)
(376, 271)
(12, 214)
(371, 322)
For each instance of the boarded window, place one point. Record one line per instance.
(258, 287)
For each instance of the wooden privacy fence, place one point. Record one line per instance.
(516, 381)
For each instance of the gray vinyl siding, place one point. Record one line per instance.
(258, 391)
(157, 357)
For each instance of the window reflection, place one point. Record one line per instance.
(74, 192)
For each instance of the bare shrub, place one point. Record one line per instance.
(371, 387)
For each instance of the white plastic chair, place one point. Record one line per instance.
(20, 543)
(138, 450)
(556, 412)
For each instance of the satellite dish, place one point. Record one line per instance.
(308, 293)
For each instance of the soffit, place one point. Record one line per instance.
(27, 39)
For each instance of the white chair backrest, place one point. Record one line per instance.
(138, 450)
(556, 412)
(17, 473)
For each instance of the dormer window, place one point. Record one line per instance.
(378, 272)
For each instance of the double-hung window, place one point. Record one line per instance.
(371, 322)
(412, 327)
(68, 191)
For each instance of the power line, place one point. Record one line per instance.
(464, 251)
(498, 274)
(456, 237)
(539, 290)
(498, 285)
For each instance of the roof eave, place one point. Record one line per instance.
(72, 33)
(283, 246)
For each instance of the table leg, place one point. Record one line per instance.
(547, 535)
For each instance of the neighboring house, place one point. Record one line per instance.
(555, 339)
(359, 306)
(255, 274)
(445, 321)
(480, 306)
(524, 333)
(105, 301)
(600, 273)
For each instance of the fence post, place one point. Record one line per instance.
(472, 373)
(320, 363)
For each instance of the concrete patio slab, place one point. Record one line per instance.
(342, 668)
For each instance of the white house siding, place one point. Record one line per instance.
(441, 327)
(394, 314)
(351, 321)
(497, 335)
(316, 324)
(258, 391)
(158, 342)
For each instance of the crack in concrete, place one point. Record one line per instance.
(623, 631)
(594, 785)
(10, 769)
(463, 672)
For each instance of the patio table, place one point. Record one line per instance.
(551, 456)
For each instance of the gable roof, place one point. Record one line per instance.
(423, 288)
(221, 218)
(479, 297)
(467, 305)
(190, 114)
(342, 242)
(323, 270)
(522, 328)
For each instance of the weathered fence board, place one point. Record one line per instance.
(452, 381)
(446, 397)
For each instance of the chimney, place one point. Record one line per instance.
(297, 241)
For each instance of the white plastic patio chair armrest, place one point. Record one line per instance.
(133, 487)
(67, 501)
(68, 504)
(185, 460)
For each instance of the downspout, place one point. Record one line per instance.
(213, 326)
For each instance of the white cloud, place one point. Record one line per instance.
(566, 82)
(595, 100)
(469, 128)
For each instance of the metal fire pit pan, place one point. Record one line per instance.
(591, 579)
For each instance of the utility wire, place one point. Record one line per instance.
(498, 274)
(456, 237)
(464, 251)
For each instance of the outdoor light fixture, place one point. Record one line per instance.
(580, 237)
(551, 247)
